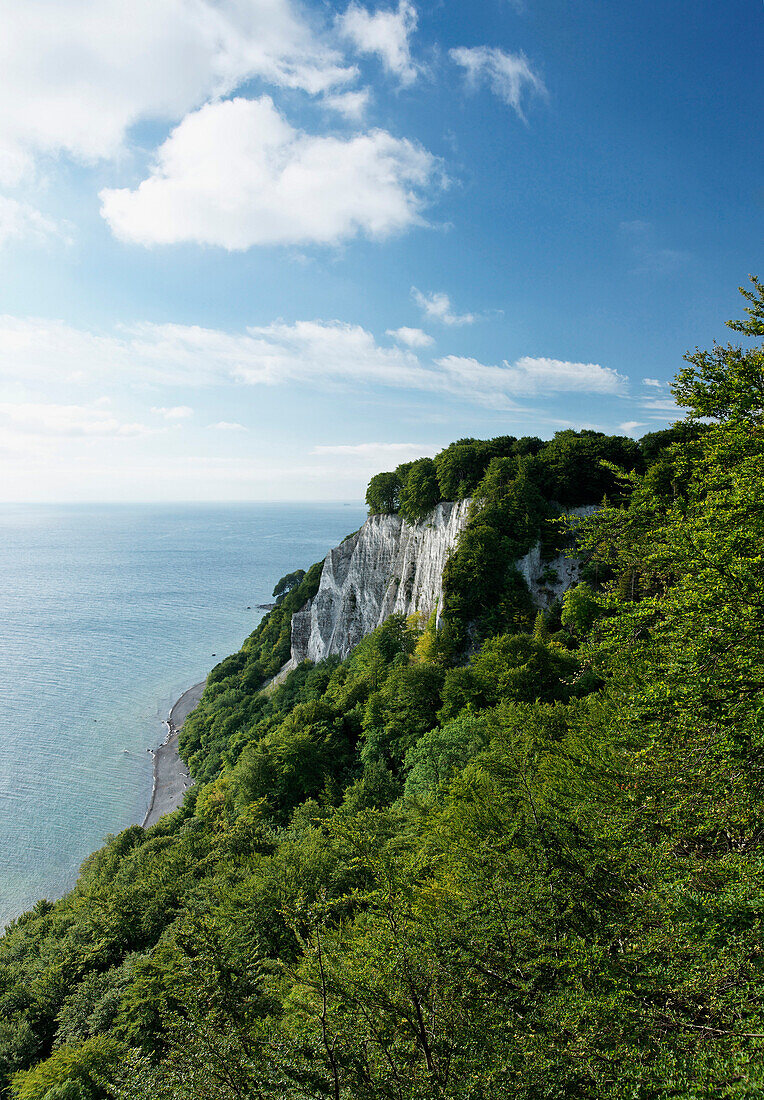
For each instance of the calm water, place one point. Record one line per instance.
(107, 614)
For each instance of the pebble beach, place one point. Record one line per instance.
(171, 776)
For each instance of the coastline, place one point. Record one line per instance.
(171, 776)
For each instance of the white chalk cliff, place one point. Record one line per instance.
(549, 580)
(393, 567)
(388, 567)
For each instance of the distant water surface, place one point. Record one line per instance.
(107, 614)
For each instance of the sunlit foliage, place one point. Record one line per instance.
(530, 868)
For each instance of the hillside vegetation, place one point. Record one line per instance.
(521, 856)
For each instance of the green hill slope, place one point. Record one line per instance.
(518, 857)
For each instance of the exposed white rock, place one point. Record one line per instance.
(390, 566)
(548, 580)
(387, 567)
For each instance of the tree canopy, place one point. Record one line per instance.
(528, 868)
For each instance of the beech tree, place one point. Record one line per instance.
(419, 491)
(383, 493)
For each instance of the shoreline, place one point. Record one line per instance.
(171, 776)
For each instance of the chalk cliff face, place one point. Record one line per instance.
(549, 580)
(386, 568)
(392, 567)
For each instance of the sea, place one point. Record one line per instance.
(107, 614)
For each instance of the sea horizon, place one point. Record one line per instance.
(352, 503)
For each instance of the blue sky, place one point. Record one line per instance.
(257, 250)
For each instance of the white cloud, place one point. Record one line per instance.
(438, 307)
(629, 426)
(20, 221)
(38, 351)
(324, 354)
(75, 77)
(385, 33)
(530, 377)
(509, 75)
(661, 408)
(38, 418)
(329, 353)
(236, 174)
(227, 426)
(350, 104)
(34, 350)
(175, 412)
(659, 405)
(411, 337)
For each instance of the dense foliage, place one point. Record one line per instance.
(535, 873)
(519, 488)
(568, 469)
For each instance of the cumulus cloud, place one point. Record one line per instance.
(411, 337)
(530, 377)
(237, 174)
(437, 306)
(175, 412)
(384, 33)
(74, 78)
(629, 426)
(653, 382)
(508, 75)
(227, 426)
(20, 221)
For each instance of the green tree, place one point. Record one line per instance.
(541, 628)
(570, 467)
(70, 1073)
(419, 490)
(397, 715)
(483, 592)
(459, 468)
(511, 667)
(442, 751)
(580, 610)
(288, 583)
(726, 384)
(383, 493)
(753, 325)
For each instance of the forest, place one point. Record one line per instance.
(520, 855)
